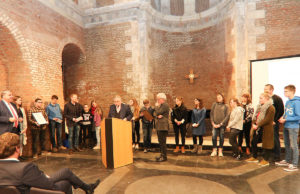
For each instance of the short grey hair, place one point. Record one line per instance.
(4, 92)
(162, 96)
(117, 97)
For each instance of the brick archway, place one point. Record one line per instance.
(73, 70)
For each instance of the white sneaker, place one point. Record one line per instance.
(220, 154)
(214, 153)
(282, 163)
(291, 168)
(137, 146)
(97, 147)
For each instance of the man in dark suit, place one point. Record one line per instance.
(120, 110)
(8, 113)
(24, 175)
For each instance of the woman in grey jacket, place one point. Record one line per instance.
(235, 125)
(219, 116)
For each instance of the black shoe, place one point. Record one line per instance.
(161, 159)
(92, 187)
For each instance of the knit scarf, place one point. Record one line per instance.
(262, 110)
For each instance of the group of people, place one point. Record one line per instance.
(239, 118)
(82, 123)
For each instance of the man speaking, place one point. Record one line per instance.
(120, 110)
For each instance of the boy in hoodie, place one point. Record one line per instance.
(291, 120)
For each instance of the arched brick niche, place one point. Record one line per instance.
(73, 70)
(13, 75)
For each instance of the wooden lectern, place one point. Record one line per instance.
(116, 143)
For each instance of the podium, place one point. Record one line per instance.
(116, 143)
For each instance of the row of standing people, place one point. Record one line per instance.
(83, 123)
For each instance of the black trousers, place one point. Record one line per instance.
(268, 154)
(257, 138)
(136, 131)
(162, 140)
(84, 133)
(64, 179)
(245, 132)
(38, 138)
(276, 142)
(182, 129)
(200, 139)
(233, 140)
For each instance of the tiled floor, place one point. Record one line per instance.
(188, 173)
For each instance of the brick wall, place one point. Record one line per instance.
(208, 52)
(106, 64)
(282, 28)
(31, 43)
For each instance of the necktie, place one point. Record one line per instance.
(14, 114)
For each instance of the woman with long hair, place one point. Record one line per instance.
(179, 119)
(22, 122)
(97, 120)
(248, 114)
(135, 109)
(219, 116)
(235, 125)
(91, 132)
(198, 123)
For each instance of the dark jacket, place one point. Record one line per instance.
(162, 124)
(23, 175)
(279, 107)
(5, 125)
(72, 111)
(179, 113)
(125, 112)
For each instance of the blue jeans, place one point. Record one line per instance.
(74, 131)
(290, 136)
(215, 133)
(147, 133)
(55, 125)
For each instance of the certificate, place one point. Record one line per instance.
(40, 119)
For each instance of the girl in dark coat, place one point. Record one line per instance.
(179, 119)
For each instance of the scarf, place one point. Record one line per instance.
(261, 111)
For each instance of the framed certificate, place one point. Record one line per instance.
(39, 117)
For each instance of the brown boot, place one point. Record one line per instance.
(182, 149)
(176, 149)
(248, 151)
(199, 149)
(195, 149)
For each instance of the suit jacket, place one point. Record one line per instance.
(162, 124)
(5, 114)
(23, 175)
(125, 112)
